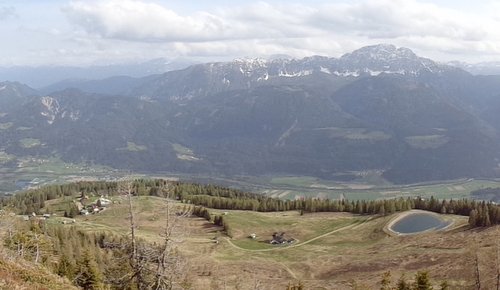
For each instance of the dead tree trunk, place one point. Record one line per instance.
(478, 277)
(498, 258)
(127, 188)
(170, 264)
(132, 226)
(37, 248)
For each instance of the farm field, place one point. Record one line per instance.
(33, 172)
(296, 187)
(330, 251)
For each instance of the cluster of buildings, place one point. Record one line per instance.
(279, 239)
(99, 205)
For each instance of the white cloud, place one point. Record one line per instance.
(7, 12)
(391, 19)
(143, 21)
(117, 30)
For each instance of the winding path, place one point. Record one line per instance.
(351, 226)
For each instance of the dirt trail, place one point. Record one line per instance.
(289, 270)
(354, 225)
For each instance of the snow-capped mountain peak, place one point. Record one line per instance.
(381, 52)
(388, 58)
(244, 73)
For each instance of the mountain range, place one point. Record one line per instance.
(44, 76)
(380, 109)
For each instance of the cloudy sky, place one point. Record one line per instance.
(59, 32)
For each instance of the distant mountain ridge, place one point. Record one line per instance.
(43, 76)
(211, 78)
(379, 109)
(482, 68)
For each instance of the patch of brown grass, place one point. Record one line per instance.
(16, 273)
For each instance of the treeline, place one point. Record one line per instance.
(217, 220)
(212, 196)
(480, 213)
(33, 200)
(484, 215)
(420, 282)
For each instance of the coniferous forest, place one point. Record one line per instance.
(481, 213)
(102, 259)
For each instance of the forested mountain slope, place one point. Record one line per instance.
(379, 108)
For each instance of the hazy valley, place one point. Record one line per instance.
(379, 109)
(315, 161)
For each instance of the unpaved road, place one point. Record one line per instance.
(351, 226)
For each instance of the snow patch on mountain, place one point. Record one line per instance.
(243, 73)
(325, 70)
(51, 109)
(346, 73)
(370, 60)
(265, 77)
(295, 74)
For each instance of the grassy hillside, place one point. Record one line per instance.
(331, 250)
(19, 274)
(334, 249)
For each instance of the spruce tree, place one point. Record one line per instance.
(422, 281)
(65, 268)
(444, 285)
(402, 284)
(381, 209)
(473, 218)
(88, 275)
(386, 281)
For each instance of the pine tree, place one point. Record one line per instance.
(73, 211)
(473, 218)
(422, 281)
(88, 275)
(487, 221)
(444, 286)
(386, 281)
(381, 209)
(402, 284)
(65, 268)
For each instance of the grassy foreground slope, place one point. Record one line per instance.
(331, 251)
(16, 273)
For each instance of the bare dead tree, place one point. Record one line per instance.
(477, 274)
(498, 257)
(132, 222)
(161, 266)
(170, 265)
(7, 227)
(126, 187)
(37, 247)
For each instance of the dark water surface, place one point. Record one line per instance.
(419, 222)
